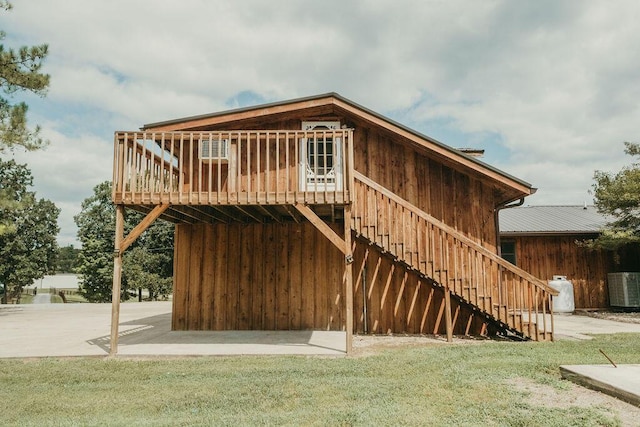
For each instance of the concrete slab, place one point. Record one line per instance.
(66, 330)
(571, 326)
(622, 382)
(59, 330)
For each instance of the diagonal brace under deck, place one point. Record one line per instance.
(333, 237)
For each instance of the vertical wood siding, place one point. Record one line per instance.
(256, 276)
(587, 270)
(463, 202)
(289, 277)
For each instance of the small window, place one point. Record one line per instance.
(508, 251)
(320, 155)
(214, 150)
(320, 162)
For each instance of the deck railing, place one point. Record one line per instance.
(233, 167)
(473, 273)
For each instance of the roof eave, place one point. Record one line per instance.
(235, 111)
(548, 233)
(521, 187)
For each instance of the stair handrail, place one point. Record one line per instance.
(456, 234)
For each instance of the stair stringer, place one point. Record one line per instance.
(468, 319)
(514, 302)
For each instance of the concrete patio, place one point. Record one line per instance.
(67, 330)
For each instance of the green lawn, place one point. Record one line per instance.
(439, 385)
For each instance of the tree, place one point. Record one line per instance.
(96, 228)
(20, 71)
(619, 196)
(67, 260)
(28, 245)
(141, 267)
(148, 263)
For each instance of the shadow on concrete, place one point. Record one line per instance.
(153, 336)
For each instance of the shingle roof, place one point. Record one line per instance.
(552, 220)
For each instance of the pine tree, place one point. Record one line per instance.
(618, 195)
(19, 71)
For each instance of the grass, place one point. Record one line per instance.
(56, 299)
(26, 299)
(461, 385)
(74, 297)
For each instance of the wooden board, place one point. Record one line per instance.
(256, 276)
(546, 256)
(399, 301)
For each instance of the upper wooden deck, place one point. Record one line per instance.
(255, 167)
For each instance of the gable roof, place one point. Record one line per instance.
(551, 220)
(519, 187)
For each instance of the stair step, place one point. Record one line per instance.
(426, 260)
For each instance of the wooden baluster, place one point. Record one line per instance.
(172, 176)
(288, 167)
(277, 165)
(248, 169)
(267, 155)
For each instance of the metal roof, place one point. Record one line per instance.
(357, 106)
(537, 220)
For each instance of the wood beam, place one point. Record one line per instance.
(141, 227)
(447, 314)
(226, 213)
(245, 211)
(204, 213)
(344, 244)
(322, 226)
(189, 214)
(117, 280)
(267, 212)
(291, 213)
(348, 279)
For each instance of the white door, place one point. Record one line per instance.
(321, 158)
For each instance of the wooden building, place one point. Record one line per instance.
(545, 241)
(318, 213)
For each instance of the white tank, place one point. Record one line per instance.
(564, 302)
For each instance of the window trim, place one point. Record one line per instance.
(330, 180)
(510, 256)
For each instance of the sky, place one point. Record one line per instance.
(550, 89)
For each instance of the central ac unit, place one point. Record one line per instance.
(214, 150)
(624, 289)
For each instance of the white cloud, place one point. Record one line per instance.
(553, 84)
(66, 172)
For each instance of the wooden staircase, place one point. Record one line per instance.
(516, 303)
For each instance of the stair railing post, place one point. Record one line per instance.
(447, 292)
(117, 280)
(348, 279)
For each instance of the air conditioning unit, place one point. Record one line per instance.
(624, 289)
(214, 150)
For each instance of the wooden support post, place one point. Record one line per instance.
(348, 278)
(447, 313)
(117, 280)
(345, 247)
